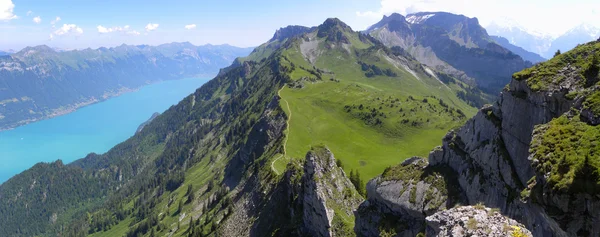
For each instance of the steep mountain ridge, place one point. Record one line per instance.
(454, 44)
(38, 82)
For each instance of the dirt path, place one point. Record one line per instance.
(288, 132)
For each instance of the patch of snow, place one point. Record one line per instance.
(10, 66)
(431, 73)
(585, 28)
(414, 19)
(401, 66)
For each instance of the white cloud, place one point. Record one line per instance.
(551, 17)
(189, 27)
(102, 29)
(6, 10)
(56, 20)
(37, 19)
(151, 27)
(125, 29)
(29, 13)
(68, 29)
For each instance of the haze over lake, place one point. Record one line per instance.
(95, 128)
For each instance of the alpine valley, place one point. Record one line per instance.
(321, 131)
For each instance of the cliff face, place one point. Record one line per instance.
(529, 154)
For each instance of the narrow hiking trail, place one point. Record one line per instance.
(286, 136)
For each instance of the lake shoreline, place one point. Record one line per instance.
(94, 128)
(90, 101)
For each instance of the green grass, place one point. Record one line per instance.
(569, 150)
(592, 103)
(320, 113)
(117, 230)
(541, 76)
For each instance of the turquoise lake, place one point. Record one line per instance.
(94, 128)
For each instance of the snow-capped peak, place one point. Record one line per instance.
(497, 26)
(418, 19)
(585, 28)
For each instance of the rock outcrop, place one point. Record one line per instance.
(328, 196)
(401, 198)
(473, 221)
(312, 198)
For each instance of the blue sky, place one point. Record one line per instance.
(240, 23)
(95, 23)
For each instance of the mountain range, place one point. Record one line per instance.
(39, 82)
(526, 55)
(281, 142)
(542, 44)
(4, 53)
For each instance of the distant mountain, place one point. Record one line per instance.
(543, 44)
(3, 53)
(579, 35)
(39, 82)
(454, 44)
(289, 32)
(520, 36)
(529, 56)
(280, 37)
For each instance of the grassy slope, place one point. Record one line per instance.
(319, 116)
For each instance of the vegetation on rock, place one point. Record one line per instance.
(569, 151)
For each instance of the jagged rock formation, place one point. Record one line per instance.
(328, 196)
(473, 221)
(313, 198)
(550, 185)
